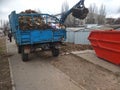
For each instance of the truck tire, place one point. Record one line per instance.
(55, 52)
(19, 49)
(24, 55)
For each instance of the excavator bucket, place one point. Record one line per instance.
(80, 13)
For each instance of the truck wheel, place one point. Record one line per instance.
(19, 49)
(55, 52)
(24, 55)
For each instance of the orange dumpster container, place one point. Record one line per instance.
(106, 45)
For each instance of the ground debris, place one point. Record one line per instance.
(69, 47)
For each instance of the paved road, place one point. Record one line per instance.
(38, 74)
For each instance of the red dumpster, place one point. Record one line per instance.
(106, 45)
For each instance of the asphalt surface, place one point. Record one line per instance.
(38, 73)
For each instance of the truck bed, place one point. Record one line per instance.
(34, 36)
(39, 36)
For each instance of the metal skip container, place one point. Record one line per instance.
(106, 45)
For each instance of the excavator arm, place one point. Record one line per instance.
(78, 11)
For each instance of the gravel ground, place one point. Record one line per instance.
(88, 75)
(5, 81)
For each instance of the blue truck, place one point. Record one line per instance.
(29, 40)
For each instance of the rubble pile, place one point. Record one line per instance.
(29, 11)
(27, 22)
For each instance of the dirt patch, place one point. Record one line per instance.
(65, 48)
(69, 47)
(2, 46)
(87, 74)
(5, 81)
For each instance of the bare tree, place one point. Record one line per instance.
(38, 10)
(64, 9)
(119, 10)
(96, 15)
(102, 15)
(1, 23)
(5, 27)
(92, 16)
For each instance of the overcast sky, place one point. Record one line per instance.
(53, 6)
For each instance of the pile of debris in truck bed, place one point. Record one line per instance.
(29, 11)
(27, 22)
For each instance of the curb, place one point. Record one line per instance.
(11, 75)
(10, 67)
